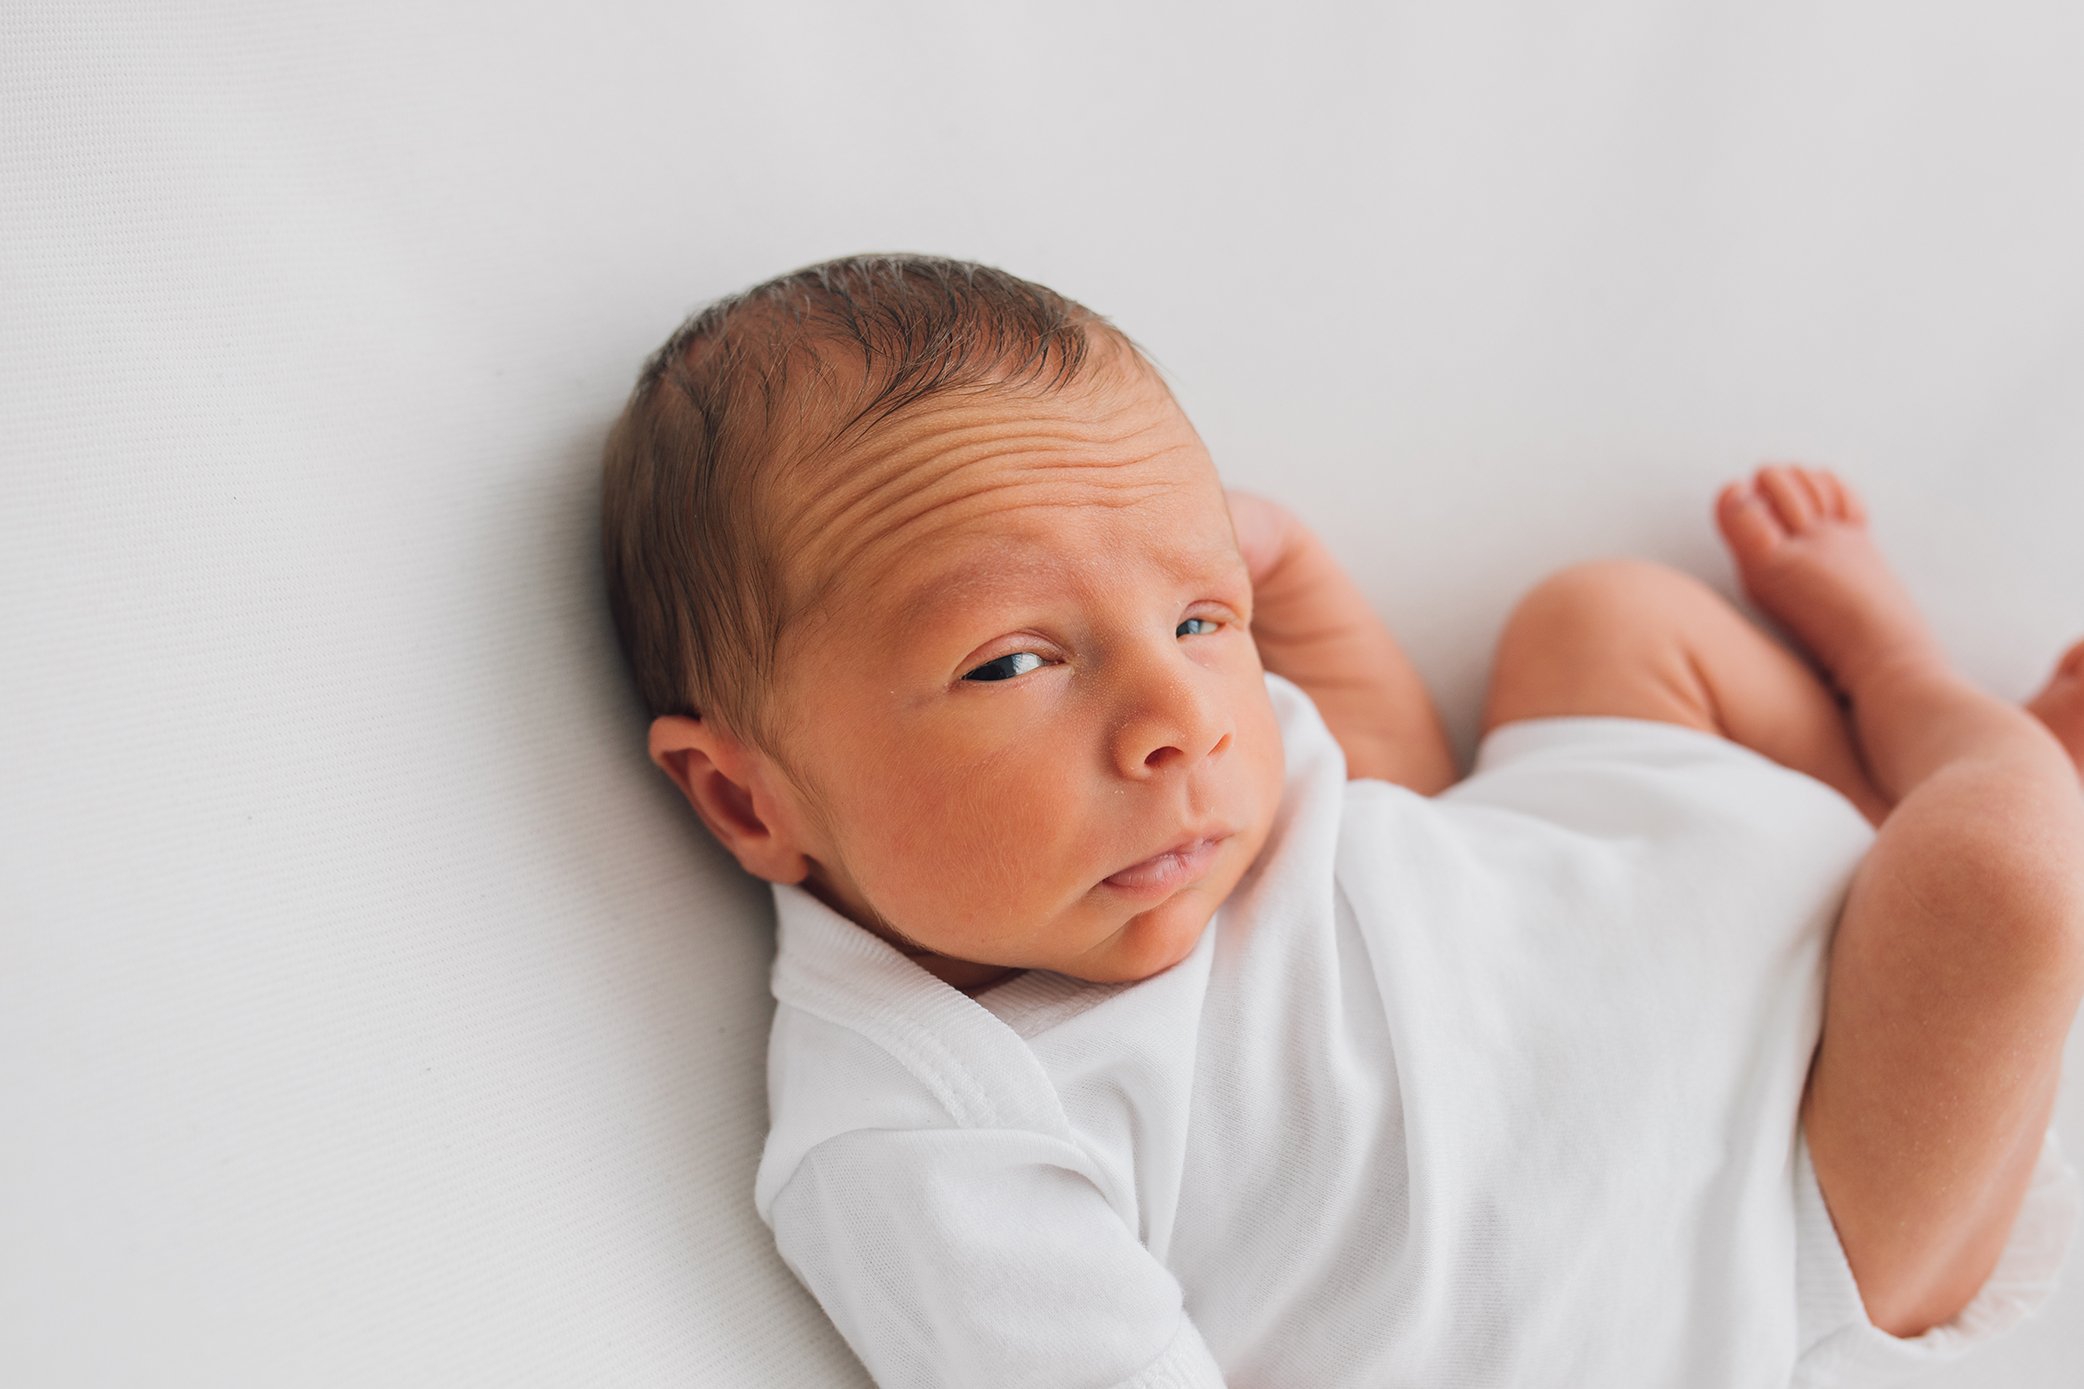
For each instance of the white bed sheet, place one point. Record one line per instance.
(370, 1011)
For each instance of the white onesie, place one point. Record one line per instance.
(1497, 1088)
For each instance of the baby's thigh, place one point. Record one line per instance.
(1951, 990)
(1630, 638)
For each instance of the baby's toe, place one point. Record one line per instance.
(2060, 704)
(1840, 501)
(1791, 496)
(1747, 522)
(1829, 494)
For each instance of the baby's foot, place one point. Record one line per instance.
(1800, 540)
(2060, 704)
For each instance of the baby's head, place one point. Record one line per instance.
(932, 593)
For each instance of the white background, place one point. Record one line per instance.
(370, 1011)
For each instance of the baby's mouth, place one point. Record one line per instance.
(1171, 868)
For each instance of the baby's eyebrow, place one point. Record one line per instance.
(993, 577)
(958, 583)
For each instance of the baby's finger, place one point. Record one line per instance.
(1261, 527)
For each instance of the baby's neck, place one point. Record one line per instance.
(970, 977)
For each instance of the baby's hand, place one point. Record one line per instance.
(1313, 625)
(1265, 529)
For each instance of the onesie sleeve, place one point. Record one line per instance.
(966, 1257)
(1842, 1347)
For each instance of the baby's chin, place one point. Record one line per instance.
(1160, 936)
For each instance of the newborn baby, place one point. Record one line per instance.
(1154, 1005)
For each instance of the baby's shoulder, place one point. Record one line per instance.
(819, 1065)
(940, 1064)
(826, 1078)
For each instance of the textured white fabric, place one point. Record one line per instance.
(1494, 1089)
(1842, 1347)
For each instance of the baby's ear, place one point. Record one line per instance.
(734, 793)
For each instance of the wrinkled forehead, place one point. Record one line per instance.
(999, 480)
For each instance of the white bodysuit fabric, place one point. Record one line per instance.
(1497, 1088)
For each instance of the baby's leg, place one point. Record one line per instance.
(1955, 968)
(1634, 639)
(1958, 961)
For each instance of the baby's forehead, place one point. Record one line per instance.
(1045, 557)
(1072, 563)
(1000, 480)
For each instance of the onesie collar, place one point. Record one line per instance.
(839, 970)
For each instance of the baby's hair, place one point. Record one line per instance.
(757, 383)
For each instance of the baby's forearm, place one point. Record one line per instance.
(1315, 627)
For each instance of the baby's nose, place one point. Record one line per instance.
(1183, 720)
(1167, 753)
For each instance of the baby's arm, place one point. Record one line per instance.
(962, 1257)
(1315, 627)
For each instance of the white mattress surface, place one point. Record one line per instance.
(371, 1012)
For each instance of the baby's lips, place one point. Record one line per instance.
(1171, 867)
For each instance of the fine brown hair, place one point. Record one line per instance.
(751, 385)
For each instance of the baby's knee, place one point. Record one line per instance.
(1598, 608)
(1999, 853)
(1613, 590)
(1606, 636)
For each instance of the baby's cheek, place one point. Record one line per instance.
(1272, 768)
(1009, 821)
(1277, 755)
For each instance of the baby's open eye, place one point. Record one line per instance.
(1005, 667)
(1021, 662)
